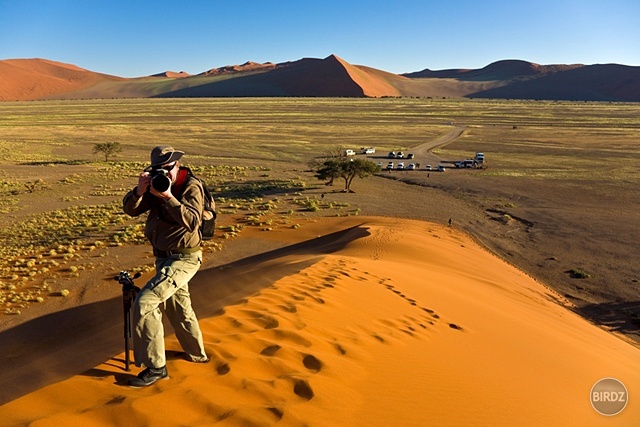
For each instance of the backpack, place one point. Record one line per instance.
(209, 215)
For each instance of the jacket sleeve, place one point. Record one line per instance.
(188, 210)
(133, 204)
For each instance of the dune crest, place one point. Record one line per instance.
(232, 69)
(27, 79)
(372, 85)
(172, 74)
(24, 79)
(401, 323)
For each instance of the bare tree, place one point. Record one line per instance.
(107, 148)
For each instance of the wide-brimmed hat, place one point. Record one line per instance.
(161, 155)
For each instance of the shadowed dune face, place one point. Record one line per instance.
(27, 79)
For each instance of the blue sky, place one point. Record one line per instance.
(134, 38)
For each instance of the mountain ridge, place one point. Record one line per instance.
(37, 78)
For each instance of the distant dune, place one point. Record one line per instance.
(29, 79)
(26, 79)
(172, 74)
(247, 66)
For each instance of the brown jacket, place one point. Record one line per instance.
(174, 224)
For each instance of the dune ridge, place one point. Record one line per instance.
(393, 323)
(29, 79)
(25, 79)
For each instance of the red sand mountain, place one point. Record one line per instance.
(172, 74)
(500, 70)
(232, 69)
(331, 77)
(26, 79)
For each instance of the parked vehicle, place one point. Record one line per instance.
(400, 155)
(480, 158)
(411, 166)
(466, 164)
(410, 156)
(369, 150)
(392, 155)
(428, 167)
(390, 165)
(441, 168)
(350, 152)
(380, 165)
(400, 166)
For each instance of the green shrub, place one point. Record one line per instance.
(579, 274)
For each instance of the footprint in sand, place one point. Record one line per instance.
(277, 412)
(289, 308)
(340, 349)
(222, 368)
(264, 320)
(312, 363)
(270, 350)
(456, 327)
(303, 389)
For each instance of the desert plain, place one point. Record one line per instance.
(493, 296)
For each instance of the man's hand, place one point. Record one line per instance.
(164, 195)
(144, 183)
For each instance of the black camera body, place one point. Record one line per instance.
(160, 180)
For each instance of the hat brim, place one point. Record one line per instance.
(174, 156)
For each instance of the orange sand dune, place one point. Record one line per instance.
(396, 323)
(28, 79)
(374, 83)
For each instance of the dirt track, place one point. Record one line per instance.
(425, 151)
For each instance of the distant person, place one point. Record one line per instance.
(173, 228)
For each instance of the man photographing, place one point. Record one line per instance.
(174, 200)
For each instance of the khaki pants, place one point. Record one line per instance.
(167, 290)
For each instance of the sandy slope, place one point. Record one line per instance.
(388, 323)
(25, 79)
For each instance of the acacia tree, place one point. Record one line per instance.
(356, 167)
(107, 148)
(346, 168)
(327, 164)
(329, 170)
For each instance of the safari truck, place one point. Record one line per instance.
(368, 150)
(350, 152)
(466, 163)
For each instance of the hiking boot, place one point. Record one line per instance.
(148, 377)
(195, 359)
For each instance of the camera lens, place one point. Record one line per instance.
(161, 183)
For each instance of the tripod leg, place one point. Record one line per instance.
(127, 328)
(127, 335)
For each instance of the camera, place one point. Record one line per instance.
(159, 179)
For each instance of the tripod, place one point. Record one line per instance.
(129, 292)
